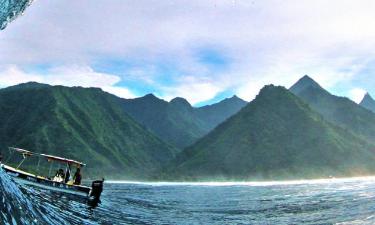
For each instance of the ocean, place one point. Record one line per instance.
(333, 201)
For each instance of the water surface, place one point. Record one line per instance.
(347, 201)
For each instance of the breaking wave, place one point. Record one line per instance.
(18, 206)
(11, 9)
(14, 205)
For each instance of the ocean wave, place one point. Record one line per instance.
(11, 9)
(18, 206)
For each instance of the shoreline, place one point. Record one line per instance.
(245, 183)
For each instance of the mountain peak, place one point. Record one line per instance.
(28, 85)
(307, 77)
(304, 83)
(271, 92)
(368, 102)
(180, 101)
(307, 80)
(269, 88)
(149, 99)
(236, 98)
(367, 95)
(150, 95)
(233, 99)
(367, 98)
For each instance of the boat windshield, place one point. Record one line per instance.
(33, 162)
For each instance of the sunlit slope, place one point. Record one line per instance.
(82, 123)
(338, 110)
(276, 136)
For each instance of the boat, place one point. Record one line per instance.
(23, 177)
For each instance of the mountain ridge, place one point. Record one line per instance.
(177, 122)
(337, 110)
(85, 124)
(275, 136)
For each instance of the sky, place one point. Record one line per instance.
(202, 50)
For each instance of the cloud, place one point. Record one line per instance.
(12, 75)
(119, 91)
(259, 42)
(80, 75)
(357, 94)
(330, 74)
(65, 75)
(195, 90)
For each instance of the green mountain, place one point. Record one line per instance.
(338, 110)
(85, 124)
(177, 122)
(217, 113)
(276, 136)
(368, 102)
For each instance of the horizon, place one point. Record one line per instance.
(213, 102)
(201, 51)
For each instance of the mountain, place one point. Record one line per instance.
(174, 122)
(368, 102)
(304, 83)
(177, 122)
(338, 110)
(85, 124)
(276, 136)
(216, 113)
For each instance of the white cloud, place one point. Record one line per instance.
(285, 73)
(65, 75)
(119, 91)
(12, 75)
(357, 94)
(80, 75)
(195, 90)
(267, 41)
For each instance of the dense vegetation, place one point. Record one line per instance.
(85, 124)
(276, 136)
(177, 122)
(305, 132)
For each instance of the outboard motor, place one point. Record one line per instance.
(96, 191)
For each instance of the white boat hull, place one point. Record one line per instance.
(47, 187)
(24, 178)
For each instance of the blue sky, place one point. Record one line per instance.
(203, 51)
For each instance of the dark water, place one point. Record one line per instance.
(350, 201)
